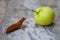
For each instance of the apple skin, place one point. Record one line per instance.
(45, 16)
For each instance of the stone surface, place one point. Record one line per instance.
(2, 9)
(12, 10)
(2, 14)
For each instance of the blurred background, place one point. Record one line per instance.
(12, 10)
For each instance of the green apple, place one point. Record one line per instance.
(45, 16)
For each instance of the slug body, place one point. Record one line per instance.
(15, 26)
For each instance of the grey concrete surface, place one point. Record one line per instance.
(19, 8)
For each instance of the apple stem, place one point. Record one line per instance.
(33, 10)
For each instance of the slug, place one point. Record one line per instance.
(15, 26)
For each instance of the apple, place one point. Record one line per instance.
(45, 15)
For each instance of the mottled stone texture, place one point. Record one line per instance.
(2, 14)
(17, 8)
(2, 9)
